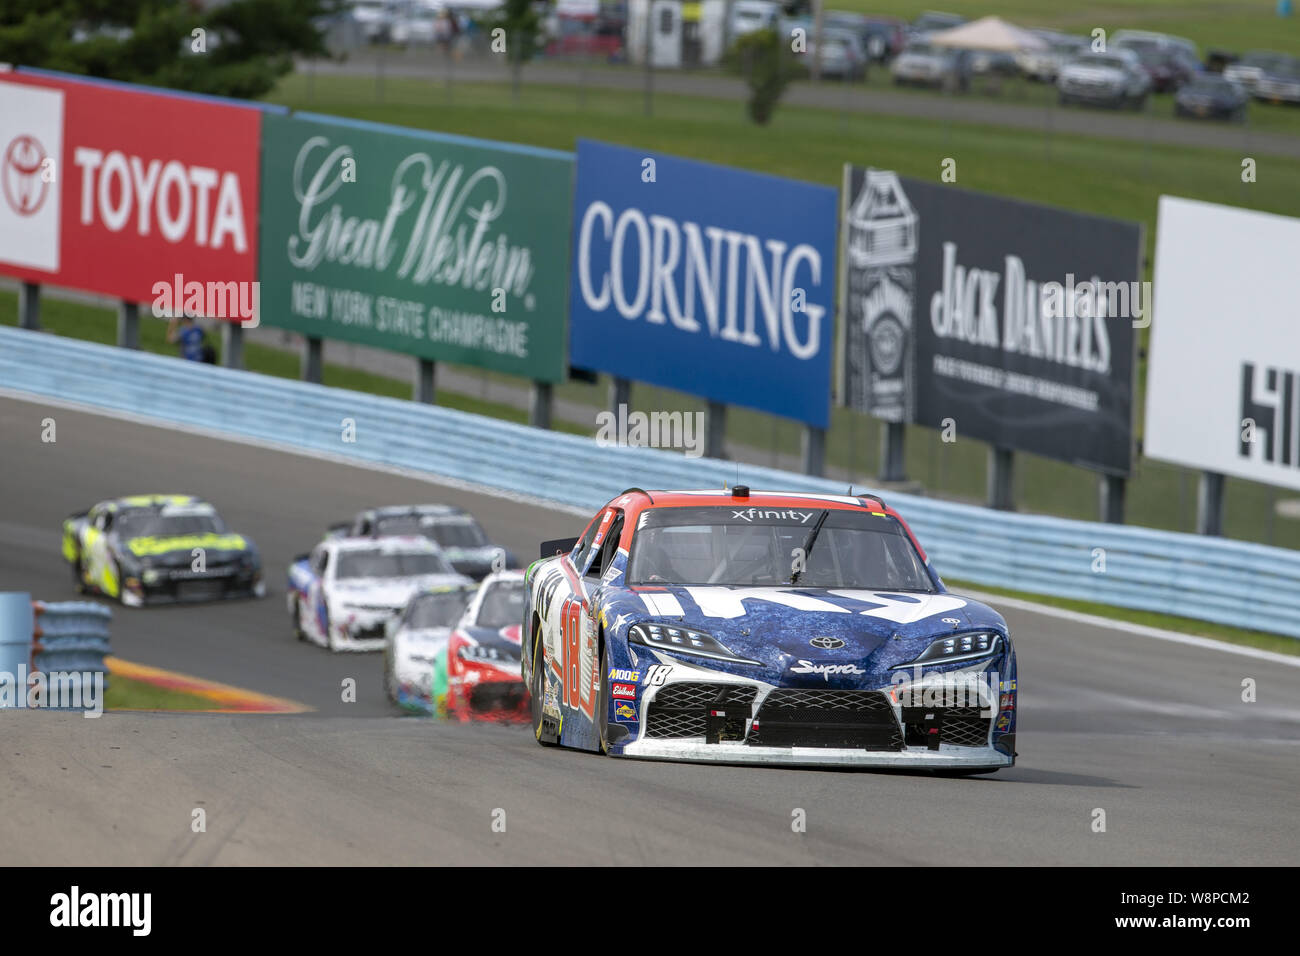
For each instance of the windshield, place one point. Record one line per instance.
(389, 564)
(442, 609)
(154, 525)
(1093, 59)
(457, 532)
(746, 547)
(503, 605)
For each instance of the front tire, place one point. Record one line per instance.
(537, 694)
(79, 576)
(298, 632)
(602, 700)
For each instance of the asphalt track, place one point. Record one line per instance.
(1154, 733)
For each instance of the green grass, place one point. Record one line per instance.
(126, 694)
(1183, 625)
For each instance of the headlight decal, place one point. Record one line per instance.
(684, 640)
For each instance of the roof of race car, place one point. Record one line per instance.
(777, 499)
(636, 500)
(150, 501)
(390, 511)
(384, 542)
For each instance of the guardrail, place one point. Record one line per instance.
(1211, 579)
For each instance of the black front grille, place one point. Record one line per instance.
(201, 589)
(498, 695)
(958, 726)
(799, 717)
(682, 710)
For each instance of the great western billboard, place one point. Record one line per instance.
(1000, 320)
(114, 189)
(442, 247)
(705, 279)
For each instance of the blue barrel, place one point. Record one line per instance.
(16, 626)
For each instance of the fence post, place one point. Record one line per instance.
(1001, 473)
(425, 378)
(539, 405)
(715, 430)
(814, 451)
(29, 306)
(1209, 504)
(620, 394)
(891, 453)
(312, 362)
(128, 325)
(1113, 488)
(232, 344)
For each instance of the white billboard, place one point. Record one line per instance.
(1223, 382)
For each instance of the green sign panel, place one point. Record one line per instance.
(440, 247)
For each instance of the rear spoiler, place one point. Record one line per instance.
(559, 546)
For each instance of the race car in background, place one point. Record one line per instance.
(344, 592)
(417, 640)
(453, 529)
(159, 549)
(481, 663)
(795, 629)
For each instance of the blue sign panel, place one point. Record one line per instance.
(704, 279)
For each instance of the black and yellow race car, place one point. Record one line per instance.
(160, 549)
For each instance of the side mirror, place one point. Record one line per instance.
(559, 546)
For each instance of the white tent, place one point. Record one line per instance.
(989, 33)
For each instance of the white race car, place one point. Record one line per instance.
(417, 639)
(343, 594)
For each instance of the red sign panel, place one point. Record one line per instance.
(114, 190)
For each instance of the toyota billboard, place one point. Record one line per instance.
(115, 189)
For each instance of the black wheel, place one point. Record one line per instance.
(297, 620)
(78, 576)
(536, 695)
(602, 701)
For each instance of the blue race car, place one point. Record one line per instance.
(791, 629)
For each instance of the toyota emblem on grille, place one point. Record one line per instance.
(826, 643)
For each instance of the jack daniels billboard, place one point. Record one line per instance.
(1012, 319)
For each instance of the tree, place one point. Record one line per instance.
(521, 30)
(766, 61)
(239, 49)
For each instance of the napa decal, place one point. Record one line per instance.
(146, 547)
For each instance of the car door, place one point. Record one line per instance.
(319, 564)
(101, 570)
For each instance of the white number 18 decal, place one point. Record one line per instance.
(656, 675)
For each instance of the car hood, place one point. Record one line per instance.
(1101, 74)
(388, 592)
(859, 634)
(504, 640)
(214, 545)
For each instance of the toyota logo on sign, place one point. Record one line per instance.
(826, 643)
(24, 186)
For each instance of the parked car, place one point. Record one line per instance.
(884, 38)
(842, 56)
(1044, 65)
(1104, 79)
(1246, 72)
(1211, 97)
(923, 64)
(750, 16)
(375, 18)
(415, 25)
(1138, 39)
(1168, 68)
(993, 63)
(1280, 83)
